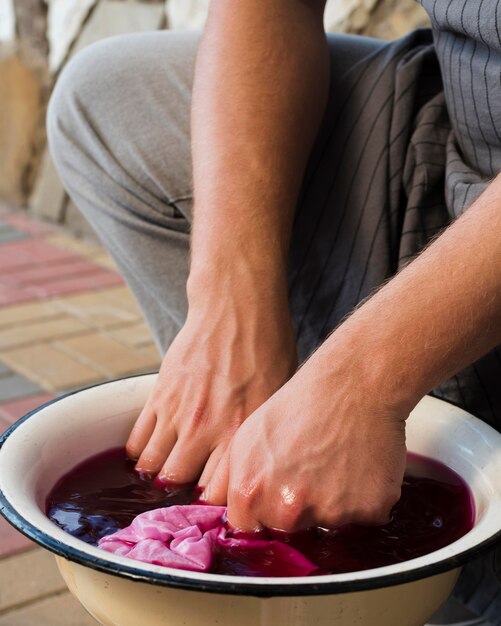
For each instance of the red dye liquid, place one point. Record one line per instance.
(105, 493)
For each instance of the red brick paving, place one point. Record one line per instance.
(10, 294)
(34, 269)
(11, 541)
(76, 284)
(35, 274)
(26, 225)
(62, 277)
(4, 424)
(11, 411)
(30, 252)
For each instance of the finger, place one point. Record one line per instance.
(157, 449)
(217, 489)
(212, 463)
(243, 511)
(241, 517)
(186, 461)
(141, 432)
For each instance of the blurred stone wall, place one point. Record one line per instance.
(37, 37)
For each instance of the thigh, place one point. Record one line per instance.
(126, 100)
(118, 127)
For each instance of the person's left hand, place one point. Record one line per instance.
(326, 449)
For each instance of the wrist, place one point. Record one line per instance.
(236, 278)
(374, 364)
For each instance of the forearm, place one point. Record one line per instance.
(438, 315)
(260, 90)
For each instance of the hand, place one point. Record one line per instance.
(325, 450)
(234, 351)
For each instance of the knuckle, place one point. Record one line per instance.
(244, 495)
(375, 506)
(242, 509)
(155, 396)
(333, 519)
(161, 399)
(287, 520)
(292, 512)
(372, 513)
(391, 498)
(196, 421)
(160, 407)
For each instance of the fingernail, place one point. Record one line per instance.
(144, 473)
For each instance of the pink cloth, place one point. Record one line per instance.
(189, 537)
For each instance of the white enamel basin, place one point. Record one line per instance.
(48, 442)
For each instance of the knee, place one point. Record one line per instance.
(80, 98)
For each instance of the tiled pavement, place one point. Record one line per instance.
(66, 320)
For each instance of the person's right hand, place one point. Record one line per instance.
(235, 350)
(326, 449)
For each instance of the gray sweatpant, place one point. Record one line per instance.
(372, 196)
